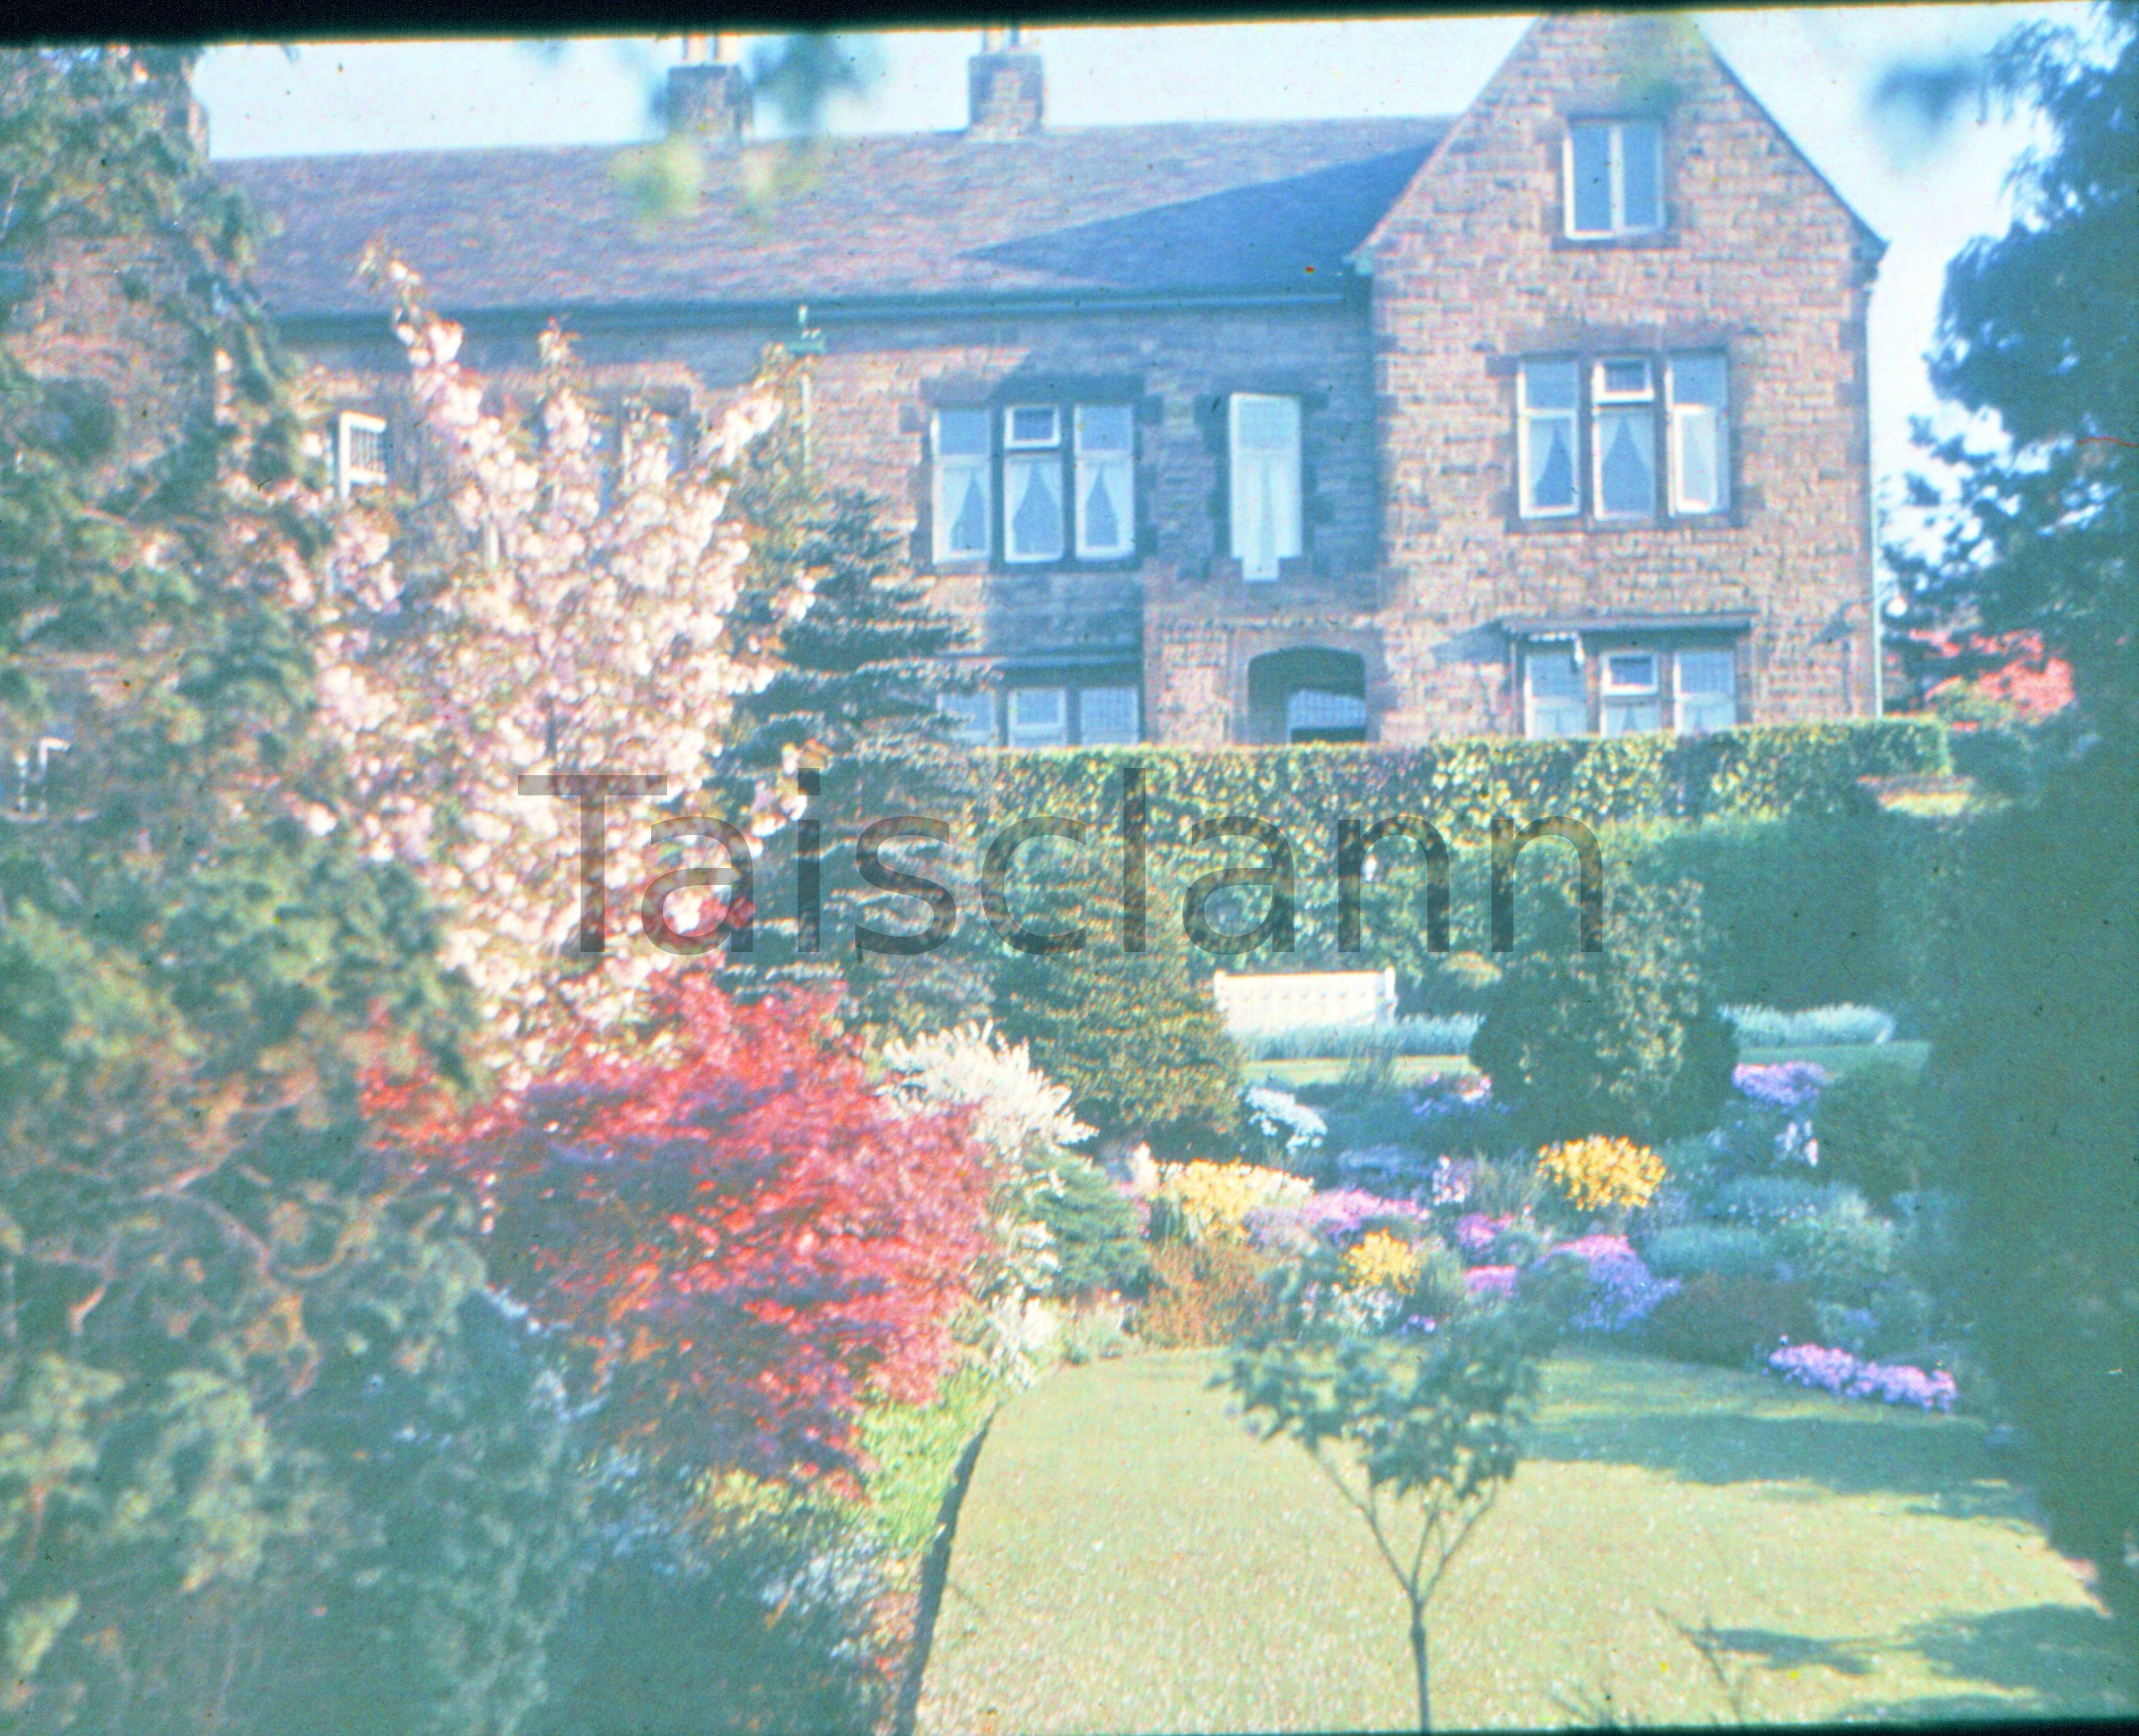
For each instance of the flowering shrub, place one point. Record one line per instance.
(1600, 1172)
(1784, 1091)
(1623, 1290)
(1209, 1294)
(1286, 1122)
(743, 1242)
(1851, 1377)
(1017, 1109)
(1213, 1201)
(1379, 1261)
(1497, 1281)
(1475, 1232)
(1337, 1218)
(541, 623)
(1452, 1178)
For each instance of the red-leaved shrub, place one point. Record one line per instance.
(742, 1238)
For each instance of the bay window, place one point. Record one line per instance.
(1706, 691)
(1630, 694)
(1553, 702)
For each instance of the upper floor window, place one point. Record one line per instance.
(1652, 429)
(1263, 441)
(1067, 475)
(360, 453)
(963, 510)
(1614, 178)
(1622, 402)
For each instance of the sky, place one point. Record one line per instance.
(1815, 68)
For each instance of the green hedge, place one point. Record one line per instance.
(1460, 784)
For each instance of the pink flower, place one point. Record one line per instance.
(1498, 1281)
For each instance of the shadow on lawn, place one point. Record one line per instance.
(1947, 1467)
(2055, 1658)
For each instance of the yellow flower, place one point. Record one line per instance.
(1599, 1172)
(1379, 1261)
(1216, 1198)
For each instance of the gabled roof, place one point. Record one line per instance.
(1183, 209)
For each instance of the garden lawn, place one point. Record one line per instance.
(1128, 1559)
(1415, 1070)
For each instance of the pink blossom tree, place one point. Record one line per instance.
(541, 617)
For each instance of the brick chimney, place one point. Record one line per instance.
(1003, 86)
(710, 98)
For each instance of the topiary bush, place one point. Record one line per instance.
(1135, 1039)
(1872, 1131)
(1624, 1042)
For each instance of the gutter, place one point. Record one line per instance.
(633, 317)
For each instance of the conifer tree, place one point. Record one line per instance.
(855, 702)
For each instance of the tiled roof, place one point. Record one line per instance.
(1153, 210)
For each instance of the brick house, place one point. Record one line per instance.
(1548, 419)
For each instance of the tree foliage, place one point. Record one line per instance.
(854, 703)
(201, 1269)
(743, 1239)
(1417, 1438)
(535, 615)
(1624, 1041)
(2037, 328)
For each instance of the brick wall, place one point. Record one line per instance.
(1472, 271)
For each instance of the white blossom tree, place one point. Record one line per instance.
(538, 616)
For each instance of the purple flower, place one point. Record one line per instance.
(1852, 1377)
(1490, 1280)
(1622, 1289)
(1784, 1085)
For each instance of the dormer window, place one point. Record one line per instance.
(1614, 174)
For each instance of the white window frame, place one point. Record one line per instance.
(1527, 417)
(1536, 704)
(964, 468)
(1087, 470)
(349, 475)
(1259, 564)
(1603, 402)
(1019, 732)
(1134, 695)
(1615, 133)
(1680, 698)
(1610, 691)
(1040, 457)
(1679, 417)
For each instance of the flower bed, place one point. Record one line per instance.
(1852, 1377)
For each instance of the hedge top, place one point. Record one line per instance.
(1460, 784)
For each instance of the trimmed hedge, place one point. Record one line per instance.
(1460, 784)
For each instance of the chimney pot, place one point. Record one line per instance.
(1005, 91)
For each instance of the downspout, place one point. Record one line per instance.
(1871, 490)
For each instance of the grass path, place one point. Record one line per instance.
(1128, 1560)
